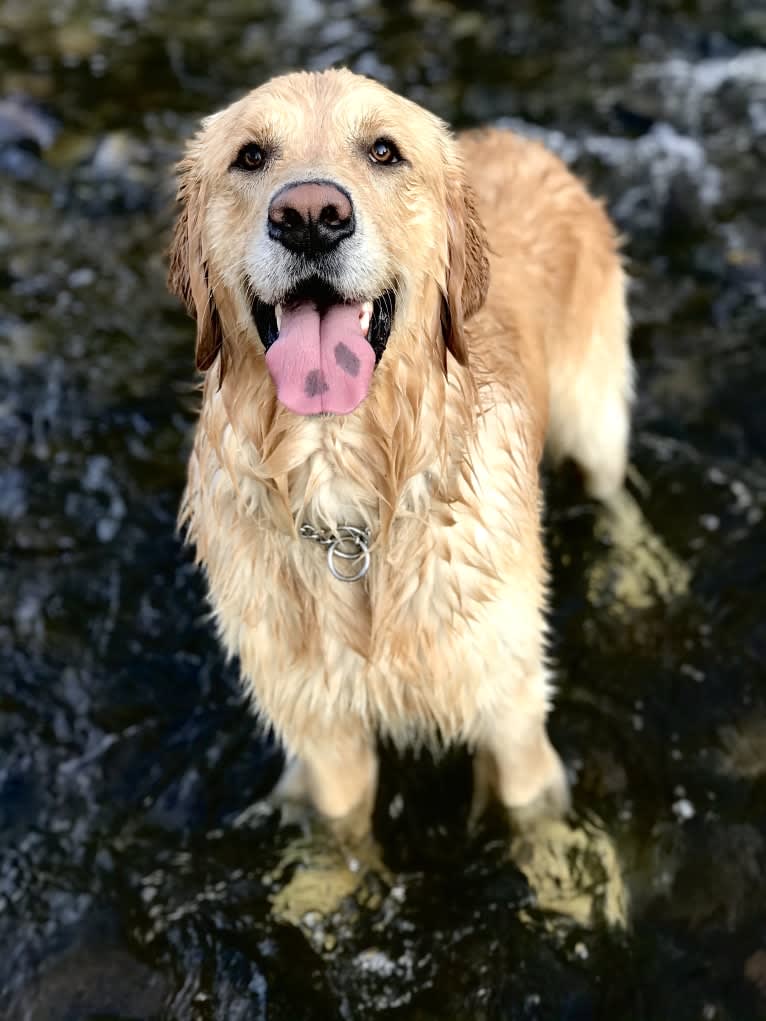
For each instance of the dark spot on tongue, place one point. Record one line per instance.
(315, 383)
(346, 359)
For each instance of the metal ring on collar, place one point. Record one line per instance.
(361, 553)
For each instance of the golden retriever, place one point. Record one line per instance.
(392, 322)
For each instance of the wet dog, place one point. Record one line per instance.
(393, 322)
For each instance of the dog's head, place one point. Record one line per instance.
(316, 212)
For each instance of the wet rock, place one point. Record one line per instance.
(26, 131)
(119, 155)
(632, 120)
(89, 982)
(722, 881)
(754, 26)
(755, 971)
(25, 125)
(574, 871)
(744, 747)
(116, 177)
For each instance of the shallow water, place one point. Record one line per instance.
(135, 880)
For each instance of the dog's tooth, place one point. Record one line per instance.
(364, 317)
(278, 316)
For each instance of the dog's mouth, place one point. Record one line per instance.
(322, 349)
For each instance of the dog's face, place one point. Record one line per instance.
(317, 210)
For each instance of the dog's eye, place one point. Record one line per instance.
(250, 157)
(384, 151)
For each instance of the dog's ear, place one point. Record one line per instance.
(188, 271)
(468, 265)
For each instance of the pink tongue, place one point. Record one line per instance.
(321, 363)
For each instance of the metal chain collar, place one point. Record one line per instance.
(348, 543)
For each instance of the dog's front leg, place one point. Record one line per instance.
(515, 760)
(336, 767)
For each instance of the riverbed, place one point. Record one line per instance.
(139, 876)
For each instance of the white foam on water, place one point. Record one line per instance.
(652, 161)
(686, 86)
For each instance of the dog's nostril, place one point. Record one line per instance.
(330, 216)
(291, 218)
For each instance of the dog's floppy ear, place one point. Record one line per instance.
(188, 271)
(467, 267)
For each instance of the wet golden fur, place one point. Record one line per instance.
(510, 327)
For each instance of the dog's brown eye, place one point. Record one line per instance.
(250, 157)
(383, 150)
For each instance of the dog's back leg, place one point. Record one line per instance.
(591, 393)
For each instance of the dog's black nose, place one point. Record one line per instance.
(311, 218)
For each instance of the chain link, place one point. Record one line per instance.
(320, 535)
(337, 545)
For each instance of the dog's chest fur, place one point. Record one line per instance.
(455, 575)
